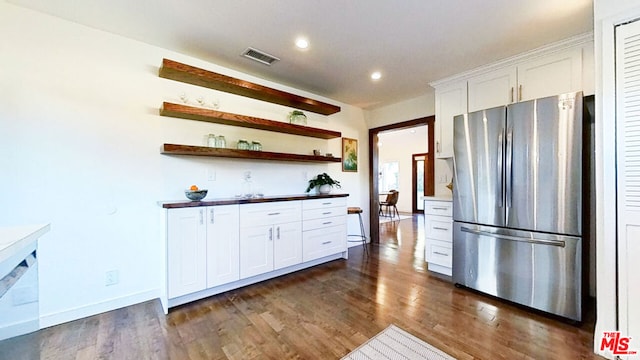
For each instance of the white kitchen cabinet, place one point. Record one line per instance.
(438, 234)
(324, 225)
(202, 248)
(496, 88)
(270, 237)
(223, 244)
(553, 74)
(186, 251)
(451, 100)
(217, 248)
(548, 75)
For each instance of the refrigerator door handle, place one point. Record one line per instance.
(559, 243)
(500, 182)
(509, 166)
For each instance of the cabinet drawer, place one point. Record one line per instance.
(439, 253)
(439, 227)
(324, 242)
(442, 208)
(270, 213)
(323, 213)
(323, 222)
(324, 203)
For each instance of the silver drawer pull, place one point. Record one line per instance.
(272, 214)
(327, 223)
(327, 213)
(440, 228)
(440, 208)
(328, 203)
(326, 243)
(439, 253)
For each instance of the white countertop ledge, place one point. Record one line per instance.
(16, 240)
(438, 198)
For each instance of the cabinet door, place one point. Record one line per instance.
(223, 244)
(287, 245)
(186, 251)
(550, 75)
(493, 89)
(256, 250)
(451, 100)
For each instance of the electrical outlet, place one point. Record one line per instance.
(111, 278)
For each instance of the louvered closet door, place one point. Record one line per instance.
(628, 147)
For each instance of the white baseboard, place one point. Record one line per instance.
(52, 319)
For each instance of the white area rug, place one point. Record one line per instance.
(394, 343)
(384, 219)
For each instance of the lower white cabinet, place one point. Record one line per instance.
(211, 249)
(438, 231)
(223, 244)
(202, 248)
(324, 227)
(270, 237)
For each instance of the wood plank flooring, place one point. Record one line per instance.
(320, 313)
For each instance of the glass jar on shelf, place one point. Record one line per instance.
(256, 146)
(243, 144)
(221, 142)
(211, 140)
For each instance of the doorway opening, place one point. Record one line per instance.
(382, 174)
(422, 171)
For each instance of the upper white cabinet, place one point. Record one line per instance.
(451, 100)
(493, 89)
(552, 74)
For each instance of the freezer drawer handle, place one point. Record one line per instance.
(559, 243)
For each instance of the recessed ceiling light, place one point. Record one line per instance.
(302, 43)
(376, 75)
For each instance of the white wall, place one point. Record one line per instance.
(399, 146)
(80, 137)
(415, 108)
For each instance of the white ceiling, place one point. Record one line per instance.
(412, 42)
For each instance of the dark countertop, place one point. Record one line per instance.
(239, 200)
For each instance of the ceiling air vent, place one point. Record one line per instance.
(259, 56)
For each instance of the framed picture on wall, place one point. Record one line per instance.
(349, 154)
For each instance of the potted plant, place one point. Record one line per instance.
(323, 182)
(297, 117)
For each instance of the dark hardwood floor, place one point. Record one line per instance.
(320, 313)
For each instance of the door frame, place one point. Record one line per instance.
(374, 200)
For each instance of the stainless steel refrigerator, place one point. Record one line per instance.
(517, 203)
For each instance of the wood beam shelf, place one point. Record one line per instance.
(173, 149)
(189, 74)
(219, 117)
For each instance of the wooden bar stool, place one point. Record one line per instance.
(362, 237)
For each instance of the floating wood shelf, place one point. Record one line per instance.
(173, 149)
(219, 117)
(189, 74)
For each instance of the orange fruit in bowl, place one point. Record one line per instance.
(193, 188)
